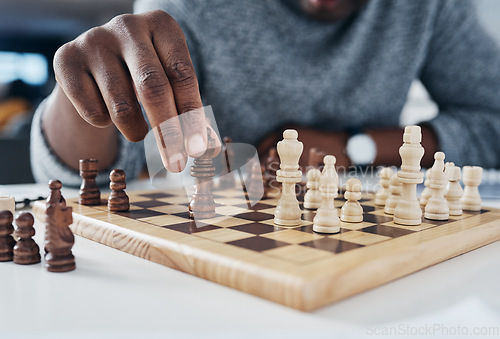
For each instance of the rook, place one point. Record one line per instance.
(89, 192)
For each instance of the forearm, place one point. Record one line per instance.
(71, 138)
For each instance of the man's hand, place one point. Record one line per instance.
(107, 71)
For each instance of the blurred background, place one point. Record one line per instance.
(32, 30)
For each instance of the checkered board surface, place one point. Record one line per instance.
(243, 249)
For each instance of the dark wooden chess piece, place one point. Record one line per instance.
(89, 192)
(55, 196)
(202, 205)
(227, 158)
(118, 199)
(59, 239)
(26, 251)
(7, 242)
(255, 187)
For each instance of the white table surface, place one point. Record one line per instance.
(112, 294)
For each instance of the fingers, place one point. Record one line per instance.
(118, 94)
(155, 93)
(176, 61)
(80, 87)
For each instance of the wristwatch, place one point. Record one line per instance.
(361, 149)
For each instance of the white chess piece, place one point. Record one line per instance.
(395, 188)
(471, 200)
(408, 211)
(288, 212)
(352, 210)
(312, 198)
(385, 179)
(327, 218)
(426, 193)
(437, 206)
(8, 203)
(454, 191)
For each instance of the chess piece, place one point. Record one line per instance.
(202, 205)
(89, 192)
(315, 159)
(454, 190)
(327, 218)
(385, 179)
(471, 200)
(407, 210)
(352, 210)
(288, 212)
(26, 251)
(427, 192)
(272, 162)
(59, 239)
(312, 198)
(8, 203)
(7, 242)
(437, 206)
(118, 199)
(395, 189)
(55, 196)
(227, 158)
(255, 187)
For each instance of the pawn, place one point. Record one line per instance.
(7, 242)
(255, 187)
(384, 182)
(118, 199)
(352, 210)
(327, 218)
(395, 189)
(89, 192)
(427, 192)
(26, 251)
(471, 200)
(55, 196)
(454, 190)
(312, 198)
(437, 206)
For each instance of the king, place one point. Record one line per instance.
(408, 211)
(288, 212)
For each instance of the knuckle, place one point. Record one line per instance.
(159, 17)
(151, 81)
(182, 72)
(95, 115)
(123, 20)
(93, 37)
(122, 110)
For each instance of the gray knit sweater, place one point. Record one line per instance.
(263, 64)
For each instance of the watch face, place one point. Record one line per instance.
(361, 149)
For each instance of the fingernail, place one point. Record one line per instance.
(196, 145)
(176, 162)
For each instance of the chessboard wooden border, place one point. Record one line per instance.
(304, 289)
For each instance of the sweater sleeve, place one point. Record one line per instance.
(462, 74)
(46, 165)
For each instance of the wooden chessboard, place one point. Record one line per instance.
(243, 249)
